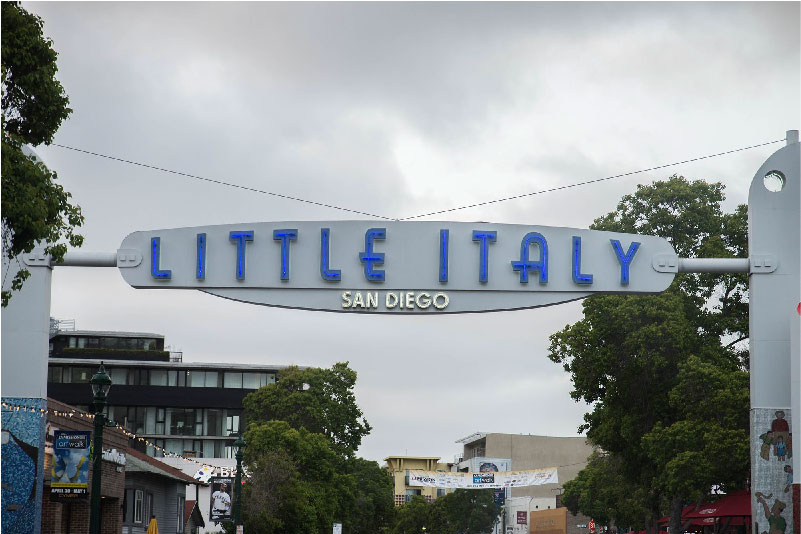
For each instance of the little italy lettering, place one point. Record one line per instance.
(397, 267)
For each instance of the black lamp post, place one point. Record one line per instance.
(239, 444)
(100, 386)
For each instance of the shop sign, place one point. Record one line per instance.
(522, 517)
(397, 267)
(69, 476)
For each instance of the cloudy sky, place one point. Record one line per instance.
(397, 110)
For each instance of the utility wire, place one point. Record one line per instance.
(550, 190)
(439, 212)
(220, 182)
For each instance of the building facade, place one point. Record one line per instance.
(398, 468)
(189, 409)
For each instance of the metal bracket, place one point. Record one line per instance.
(763, 263)
(37, 258)
(128, 257)
(665, 263)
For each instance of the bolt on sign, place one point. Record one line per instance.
(397, 267)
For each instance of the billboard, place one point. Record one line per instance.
(221, 507)
(502, 479)
(397, 267)
(69, 476)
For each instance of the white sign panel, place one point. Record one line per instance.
(502, 479)
(396, 267)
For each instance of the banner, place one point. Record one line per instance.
(502, 479)
(221, 508)
(69, 476)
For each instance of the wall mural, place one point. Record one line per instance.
(773, 472)
(22, 432)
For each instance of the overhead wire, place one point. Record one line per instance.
(428, 214)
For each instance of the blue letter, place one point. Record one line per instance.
(624, 259)
(285, 236)
(524, 265)
(577, 276)
(443, 255)
(368, 257)
(483, 238)
(334, 275)
(240, 238)
(155, 255)
(201, 257)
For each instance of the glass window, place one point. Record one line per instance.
(158, 377)
(196, 379)
(250, 380)
(81, 342)
(212, 378)
(73, 342)
(232, 425)
(232, 380)
(179, 527)
(213, 425)
(149, 344)
(138, 506)
(82, 375)
(266, 379)
(92, 343)
(208, 448)
(174, 446)
(150, 420)
(119, 375)
(159, 420)
(172, 378)
(54, 374)
(108, 342)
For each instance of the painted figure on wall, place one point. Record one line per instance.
(781, 433)
(767, 445)
(788, 469)
(19, 483)
(777, 524)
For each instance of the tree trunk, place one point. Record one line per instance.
(675, 515)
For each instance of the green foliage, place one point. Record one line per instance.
(301, 438)
(34, 208)
(465, 511)
(319, 400)
(663, 373)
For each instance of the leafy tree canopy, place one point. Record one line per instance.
(464, 511)
(319, 400)
(663, 373)
(34, 208)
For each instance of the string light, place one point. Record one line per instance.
(78, 413)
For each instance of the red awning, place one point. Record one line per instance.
(736, 504)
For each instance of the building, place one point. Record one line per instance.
(65, 517)
(540, 505)
(398, 468)
(189, 409)
(193, 410)
(154, 489)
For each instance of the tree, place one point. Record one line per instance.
(465, 511)
(636, 360)
(319, 400)
(34, 208)
(302, 433)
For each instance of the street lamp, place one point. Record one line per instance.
(239, 445)
(101, 383)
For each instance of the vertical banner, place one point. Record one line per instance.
(70, 471)
(221, 503)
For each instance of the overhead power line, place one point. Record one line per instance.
(559, 188)
(438, 212)
(220, 182)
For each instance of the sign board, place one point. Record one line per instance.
(221, 508)
(337, 528)
(522, 517)
(503, 479)
(70, 472)
(397, 267)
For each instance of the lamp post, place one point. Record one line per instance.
(239, 445)
(101, 383)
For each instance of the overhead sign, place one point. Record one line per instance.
(397, 267)
(69, 476)
(501, 479)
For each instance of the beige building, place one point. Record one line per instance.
(399, 466)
